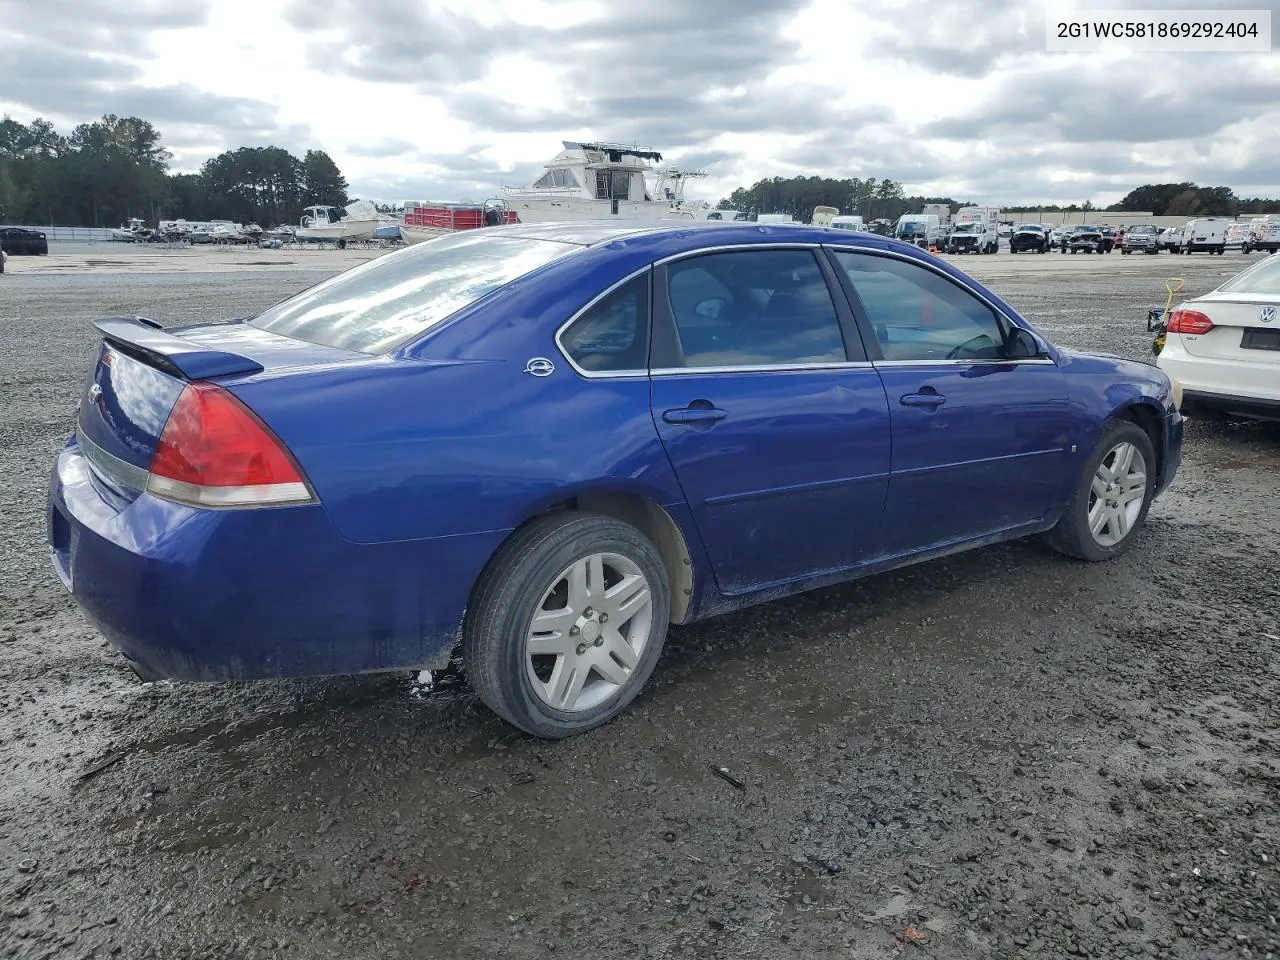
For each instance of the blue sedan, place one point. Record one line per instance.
(547, 443)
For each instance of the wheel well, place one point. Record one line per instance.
(656, 524)
(1148, 419)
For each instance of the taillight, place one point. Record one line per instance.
(214, 452)
(1189, 321)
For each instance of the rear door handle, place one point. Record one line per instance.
(922, 400)
(694, 415)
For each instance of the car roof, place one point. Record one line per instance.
(582, 232)
(595, 232)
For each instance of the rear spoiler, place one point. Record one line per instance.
(145, 340)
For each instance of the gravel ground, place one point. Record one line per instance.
(1001, 754)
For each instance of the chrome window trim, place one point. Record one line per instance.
(734, 247)
(763, 368)
(872, 251)
(1028, 361)
(605, 374)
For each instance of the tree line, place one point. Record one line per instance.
(1188, 199)
(104, 172)
(871, 198)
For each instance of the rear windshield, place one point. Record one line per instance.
(1264, 278)
(383, 303)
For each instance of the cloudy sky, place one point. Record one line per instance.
(448, 99)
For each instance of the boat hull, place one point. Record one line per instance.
(342, 230)
(417, 234)
(537, 210)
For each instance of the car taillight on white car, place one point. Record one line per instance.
(214, 452)
(1189, 321)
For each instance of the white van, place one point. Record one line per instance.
(1263, 235)
(848, 222)
(1205, 233)
(775, 218)
(921, 229)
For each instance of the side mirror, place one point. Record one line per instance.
(1021, 345)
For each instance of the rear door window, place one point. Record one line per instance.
(752, 308)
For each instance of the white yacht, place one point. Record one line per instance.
(593, 181)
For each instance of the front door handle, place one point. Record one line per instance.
(694, 415)
(924, 399)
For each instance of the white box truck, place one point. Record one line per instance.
(940, 210)
(975, 230)
(1205, 233)
(823, 215)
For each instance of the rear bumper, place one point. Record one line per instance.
(252, 594)
(1240, 387)
(1194, 401)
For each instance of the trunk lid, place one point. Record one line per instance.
(1239, 331)
(141, 370)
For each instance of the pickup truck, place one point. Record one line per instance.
(1141, 238)
(1091, 240)
(1029, 236)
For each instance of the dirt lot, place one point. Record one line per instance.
(1002, 754)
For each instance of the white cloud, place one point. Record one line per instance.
(444, 98)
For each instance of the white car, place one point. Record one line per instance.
(1224, 347)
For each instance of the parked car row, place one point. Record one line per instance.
(1200, 235)
(1218, 235)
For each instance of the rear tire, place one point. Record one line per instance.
(505, 662)
(1101, 483)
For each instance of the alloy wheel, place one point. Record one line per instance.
(588, 633)
(1116, 494)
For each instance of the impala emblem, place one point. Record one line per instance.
(1267, 314)
(95, 393)
(540, 367)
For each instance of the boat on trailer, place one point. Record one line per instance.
(322, 222)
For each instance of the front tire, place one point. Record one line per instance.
(567, 623)
(1109, 503)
